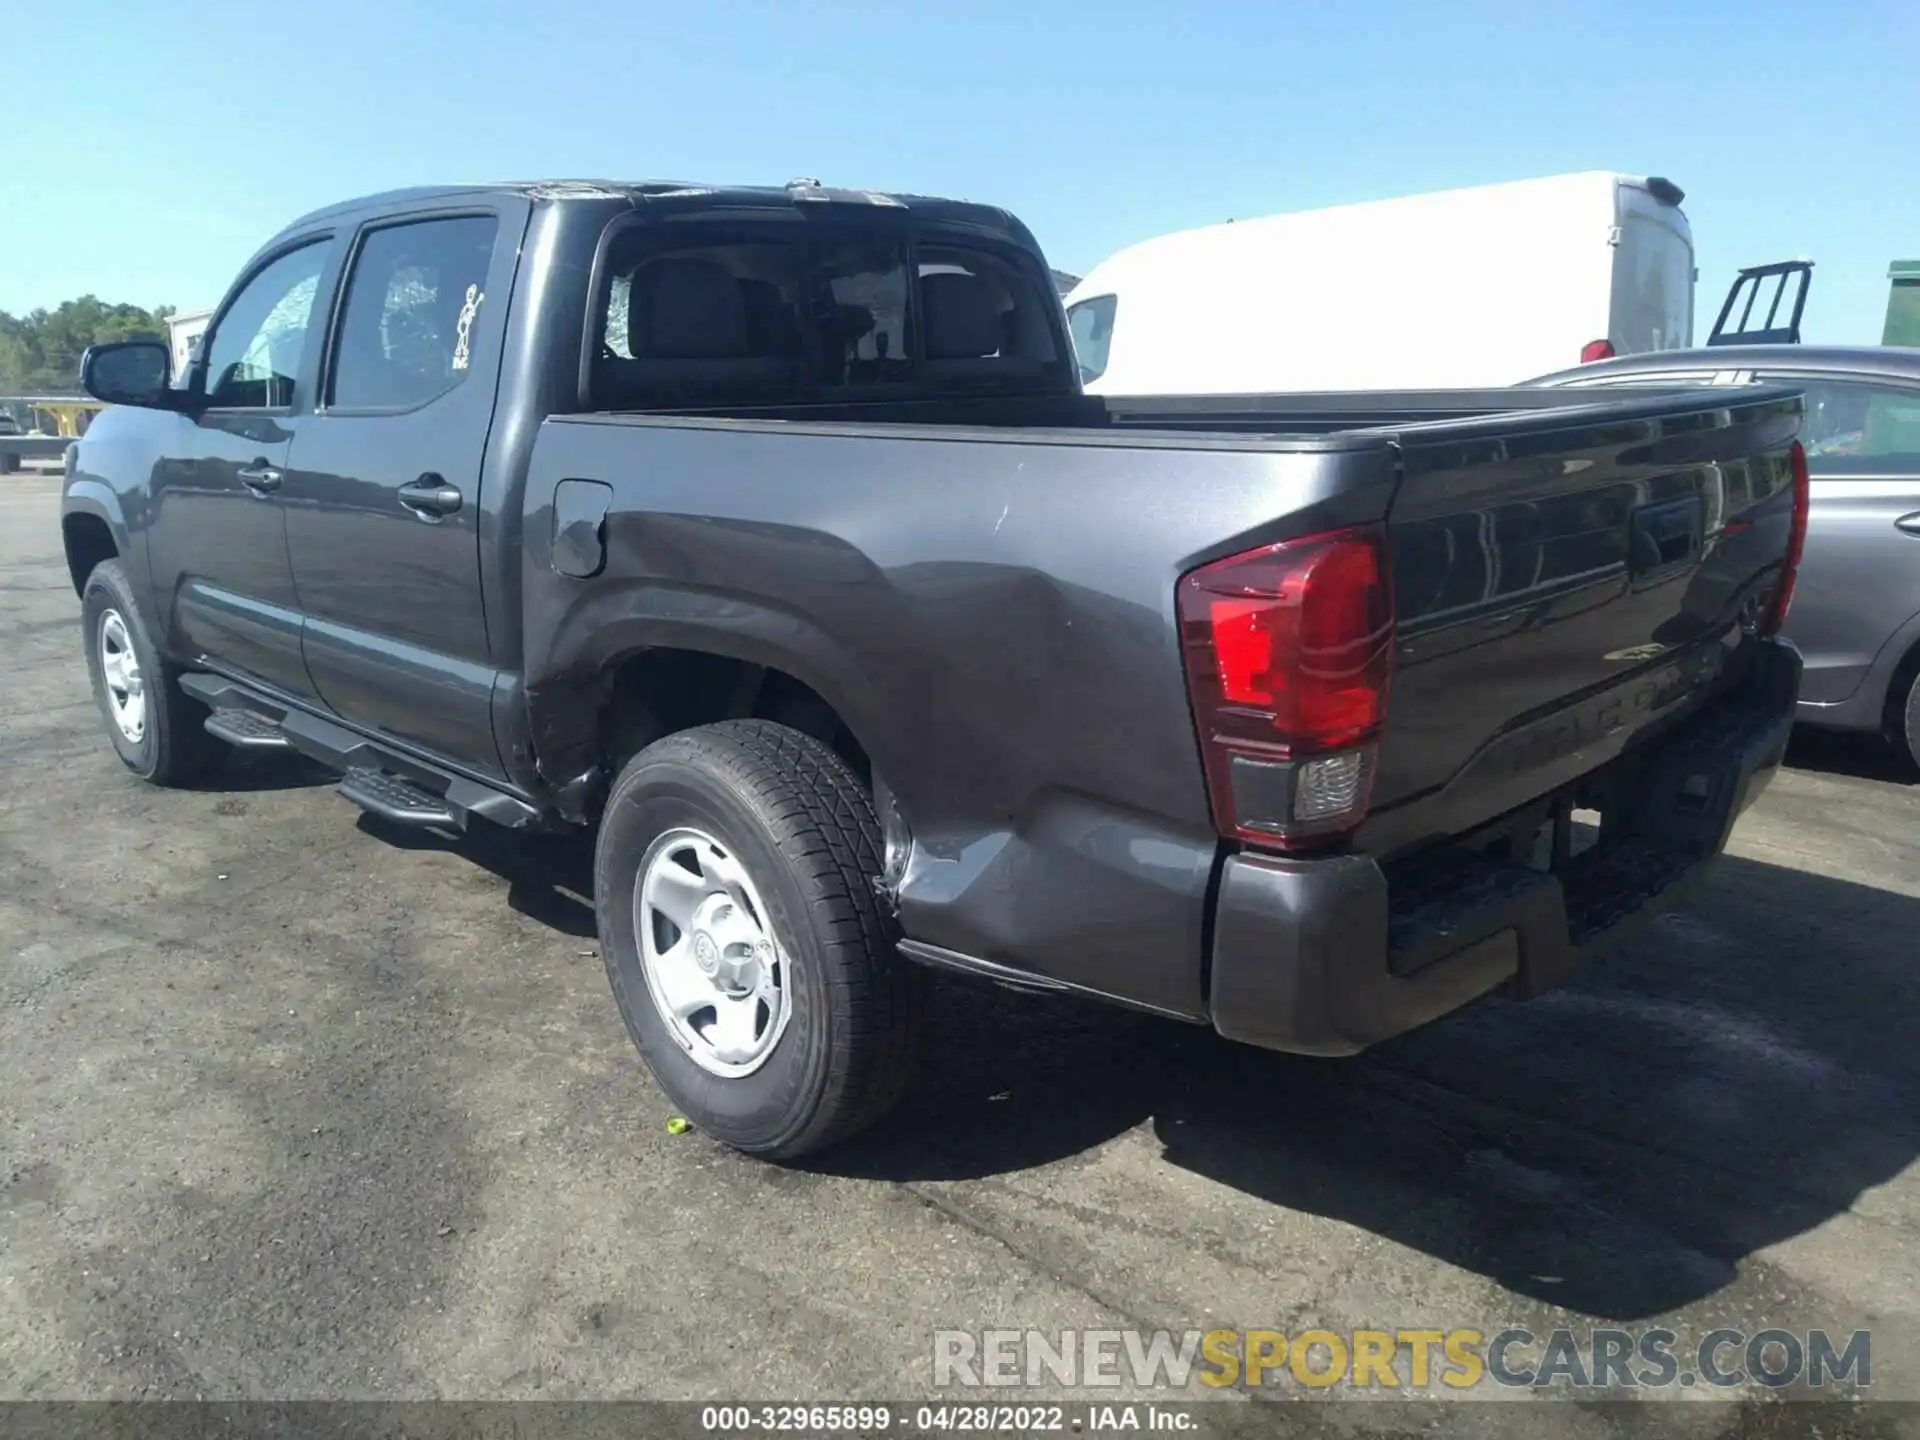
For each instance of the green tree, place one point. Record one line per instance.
(40, 351)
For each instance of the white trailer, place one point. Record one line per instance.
(182, 331)
(1458, 288)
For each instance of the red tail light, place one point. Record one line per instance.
(1796, 543)
(1596, 350)
(1289, 650)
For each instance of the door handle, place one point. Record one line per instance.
(430, 497)
(1909, 523)
(261, 478)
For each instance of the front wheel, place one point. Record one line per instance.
(155, 726)
(751, 958)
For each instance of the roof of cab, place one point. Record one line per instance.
(639, 192)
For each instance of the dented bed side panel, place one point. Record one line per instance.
(993, 619)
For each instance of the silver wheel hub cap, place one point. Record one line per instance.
(715, 974)
(120, 670)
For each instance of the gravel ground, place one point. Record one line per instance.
(295, 1106)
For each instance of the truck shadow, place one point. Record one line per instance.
(245, 774)
(549, 877)
(1734, 1076)
(1739, 1073)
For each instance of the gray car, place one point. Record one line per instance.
(1856, 609)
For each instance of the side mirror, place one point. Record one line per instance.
(130, 372)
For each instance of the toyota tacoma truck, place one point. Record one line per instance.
(767, 533)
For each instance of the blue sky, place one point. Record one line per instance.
(151, 147)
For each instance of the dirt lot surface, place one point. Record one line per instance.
(294, 1106)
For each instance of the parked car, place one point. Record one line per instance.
(1856, 609)
(9, 455)
(1454, 288)
(804, 572)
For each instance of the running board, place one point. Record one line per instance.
(247, 730)
(394, 800)
(380, 777)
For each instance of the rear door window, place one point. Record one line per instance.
(412, 298)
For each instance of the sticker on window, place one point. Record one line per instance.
(464, 326)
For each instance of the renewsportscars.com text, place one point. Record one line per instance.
(1418, 1359)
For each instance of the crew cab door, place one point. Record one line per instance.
(384, 510)
(216, 540)
(1859, 581)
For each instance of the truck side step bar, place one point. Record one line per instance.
(398, 801)
(379, 776)
(247, 730)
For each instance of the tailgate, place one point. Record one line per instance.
(1564, 583)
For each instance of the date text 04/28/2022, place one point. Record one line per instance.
(961, 1418)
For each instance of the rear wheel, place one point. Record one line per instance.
(156, 728)
(1906, 715)
(750, 956)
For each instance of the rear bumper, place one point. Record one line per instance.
(1328, 956)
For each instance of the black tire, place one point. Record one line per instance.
(174, 747)
(9, 463)
(1906, 720)
(801, 823)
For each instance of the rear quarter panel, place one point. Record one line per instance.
(990, 612)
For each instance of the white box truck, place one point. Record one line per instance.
(1458, 288)
(182, 332)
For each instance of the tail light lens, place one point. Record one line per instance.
(1796, 543)
(1288, 651)
(1596, 350)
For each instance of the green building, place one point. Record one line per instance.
(1903, 304)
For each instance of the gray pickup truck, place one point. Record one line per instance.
(768, 532)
